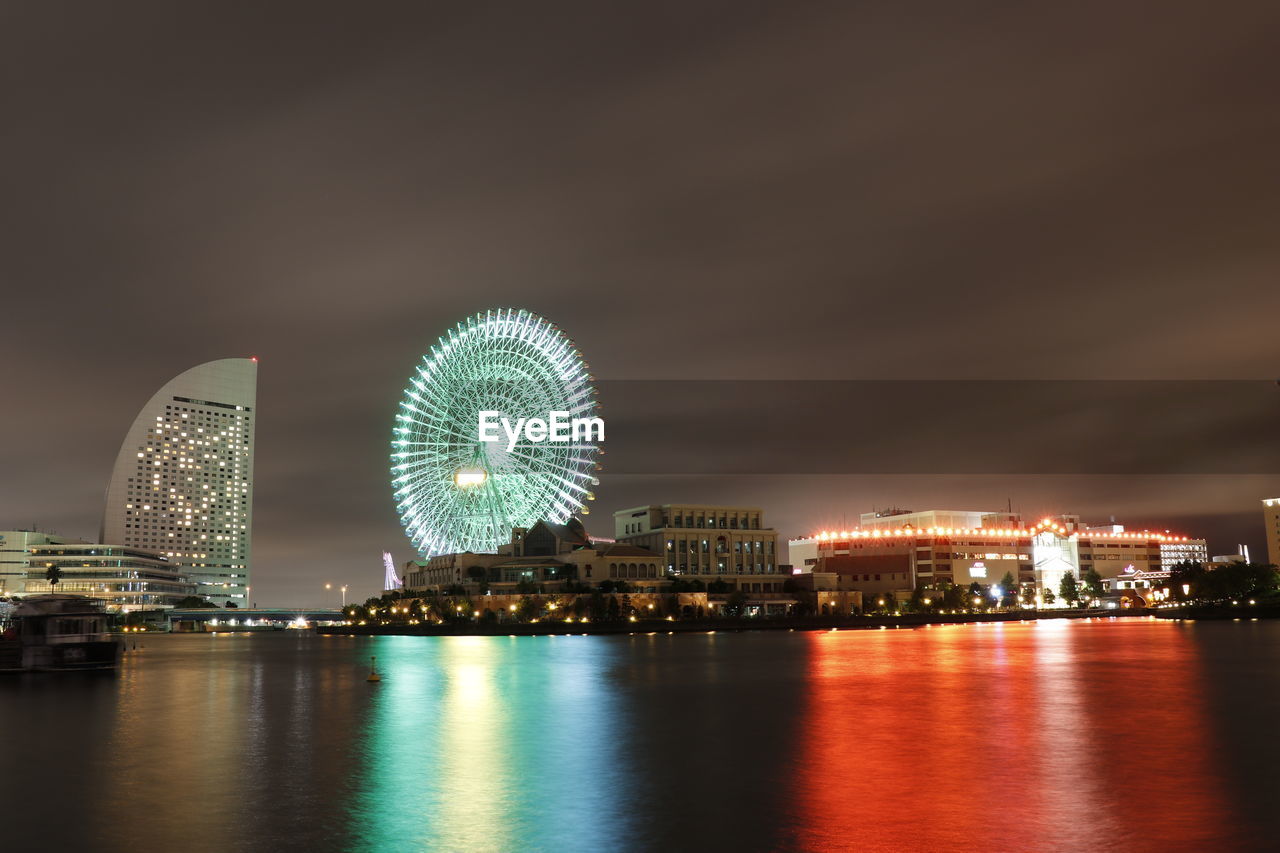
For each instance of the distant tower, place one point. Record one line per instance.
(390, 580)
(183, 481)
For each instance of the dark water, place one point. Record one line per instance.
(1117, 734)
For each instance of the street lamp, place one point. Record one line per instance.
(344, 594)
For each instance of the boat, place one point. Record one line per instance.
(56, 633)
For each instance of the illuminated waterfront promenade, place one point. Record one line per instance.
(680, 626)
(207, 618)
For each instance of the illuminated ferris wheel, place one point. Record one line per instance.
(455, 492)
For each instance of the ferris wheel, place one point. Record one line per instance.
(455, 492)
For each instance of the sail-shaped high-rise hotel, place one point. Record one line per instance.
(183, 482)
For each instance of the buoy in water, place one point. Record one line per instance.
(373, 670)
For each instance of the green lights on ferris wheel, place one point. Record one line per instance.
(456, 492)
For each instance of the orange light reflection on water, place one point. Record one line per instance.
(1026, 736)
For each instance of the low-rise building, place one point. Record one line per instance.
(895, 558)
(803, 552)
(1139, 587)
(126, 578)
(445, 569)
(15, 556)
(709, 543)
(547, 555)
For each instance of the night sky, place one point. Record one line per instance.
(692, 191)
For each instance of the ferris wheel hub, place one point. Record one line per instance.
(466, 478)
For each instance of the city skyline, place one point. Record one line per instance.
(742, 193)
(293, 592)
(714, 425)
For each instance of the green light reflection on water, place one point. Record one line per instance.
(491, 743)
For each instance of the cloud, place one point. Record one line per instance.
(692, 191)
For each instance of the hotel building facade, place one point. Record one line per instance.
(182, 484)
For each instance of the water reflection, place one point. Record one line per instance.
(1023, 736)
(489, 743)
(1120, 734)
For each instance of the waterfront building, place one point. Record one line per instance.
(547, 555)
(710, 543)
(803, 552)
(182, 484)
(443, 570)
(15, 557)
(1139, 587)
(1139, 579)
(894, 558)
(1271, 515)
(126, 578)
